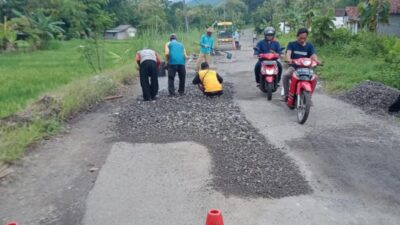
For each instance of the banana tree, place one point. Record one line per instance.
(373, 12)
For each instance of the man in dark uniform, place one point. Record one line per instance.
(148, 61)
(295, 50)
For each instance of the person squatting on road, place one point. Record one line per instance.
(268, 45)
(206, 47)
(175, 54)
(209, 81)
(148, 61)
(295, 50)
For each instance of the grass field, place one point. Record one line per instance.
(62, 73)
(25, 76)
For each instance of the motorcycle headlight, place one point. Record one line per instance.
(307, 62)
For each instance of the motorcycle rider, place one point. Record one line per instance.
(268, 45)
(295, 50)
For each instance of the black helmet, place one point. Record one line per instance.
(270, 31)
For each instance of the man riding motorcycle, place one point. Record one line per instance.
(268, 45)
(295, 50)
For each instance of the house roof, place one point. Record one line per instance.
(120, 28)
(340, 12)
(395, 6)
(352, 12)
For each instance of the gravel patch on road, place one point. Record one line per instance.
(372, 97)
(244, 164)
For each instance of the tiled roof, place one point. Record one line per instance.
(352, 12)
(340, 12)
(118, 29)
(394, 6)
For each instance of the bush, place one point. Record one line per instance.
(322, 31)
(342, 36)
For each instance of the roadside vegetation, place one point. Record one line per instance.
(350, 59)
(41, 89)
(365, 56)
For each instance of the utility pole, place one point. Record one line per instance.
(224, 10)
(5, 23)
(378, 9)
(186, 16)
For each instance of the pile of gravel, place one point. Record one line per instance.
(243, 163)
(372, 97)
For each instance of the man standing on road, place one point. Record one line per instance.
(295, 50)
(209, 81)
(175, 54)
(148, 60)
(206, 47)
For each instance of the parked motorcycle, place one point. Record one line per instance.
(301, 87)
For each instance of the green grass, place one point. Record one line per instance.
(64, 75)
(342, 73)
(25, 76)
(70, 99)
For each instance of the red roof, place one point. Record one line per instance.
(352, 12)
(395, 6)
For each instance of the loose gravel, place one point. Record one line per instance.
(372, 97)
(243, 163)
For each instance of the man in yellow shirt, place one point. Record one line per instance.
(209, 81)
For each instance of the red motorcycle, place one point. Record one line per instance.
(302, 86)
(269, 73)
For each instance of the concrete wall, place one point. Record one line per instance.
(393, 28)
(339, 22)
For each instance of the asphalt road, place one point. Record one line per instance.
(350, 160)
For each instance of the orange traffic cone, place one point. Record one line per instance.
(214, 217)
(12, 223)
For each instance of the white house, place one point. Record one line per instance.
(284, 27)
(121, 32)
(347, 18)
(339, 18)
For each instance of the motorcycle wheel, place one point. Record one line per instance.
(262, 84)
(269, 90)
(303, 105)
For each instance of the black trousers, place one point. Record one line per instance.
(149, 79)
(395, 107)
(213, 94)
(172, 70)
(257, 70)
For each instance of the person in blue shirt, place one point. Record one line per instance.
(268, 45)
(295, 50)
(175, 54)
(206, 47)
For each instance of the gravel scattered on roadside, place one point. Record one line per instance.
(243, 163)
(372, 97)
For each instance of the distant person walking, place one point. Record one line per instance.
(206, 47)
(209, 81)
(175, 54)
(254, 37)
(148, 61)
(236, 38)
